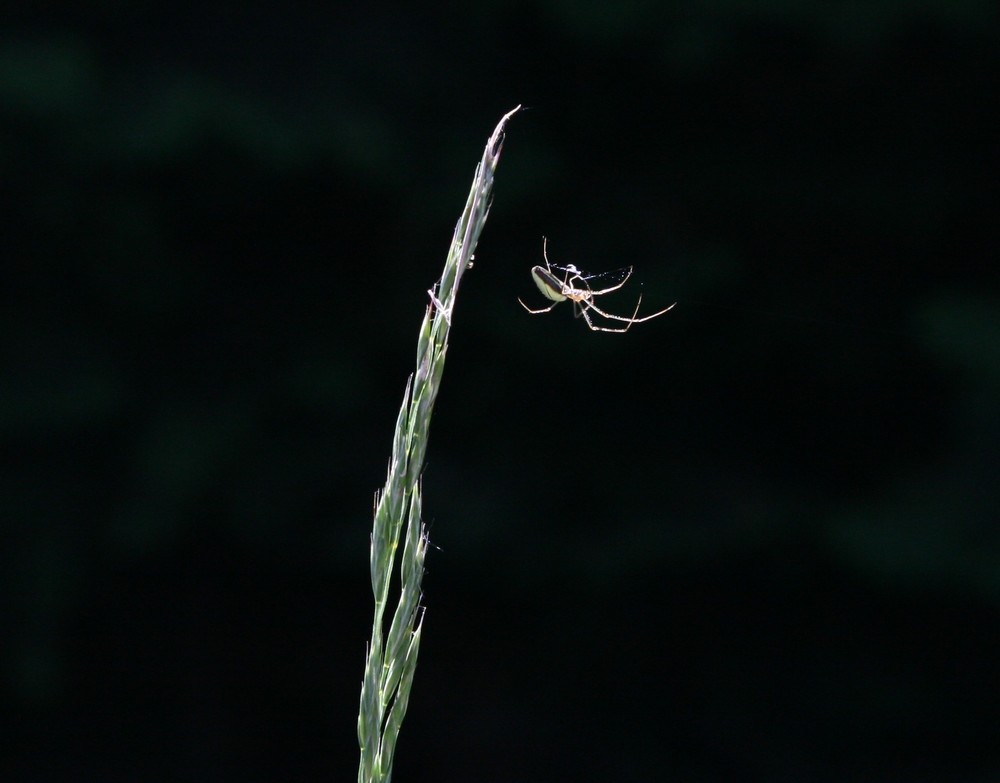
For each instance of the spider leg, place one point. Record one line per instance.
(545, 253)
(612, 288)
(650, 317)
(612, 317)
(633, 319)
(594, 327)
(536, 312)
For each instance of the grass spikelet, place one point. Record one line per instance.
(392, 657)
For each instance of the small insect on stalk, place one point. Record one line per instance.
(575, 287)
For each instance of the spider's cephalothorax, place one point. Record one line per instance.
(573, 286)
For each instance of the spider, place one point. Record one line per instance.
(574, 287)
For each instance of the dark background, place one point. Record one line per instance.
(752, 540)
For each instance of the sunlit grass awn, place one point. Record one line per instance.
(574, 286)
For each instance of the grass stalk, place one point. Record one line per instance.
(392, 657)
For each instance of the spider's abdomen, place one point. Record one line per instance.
(550, 285)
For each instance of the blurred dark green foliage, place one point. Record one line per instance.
(755, 539)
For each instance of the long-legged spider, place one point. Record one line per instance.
(574, 287)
